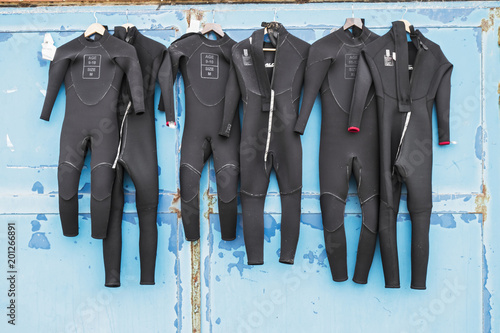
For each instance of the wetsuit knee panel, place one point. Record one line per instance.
(227, 182)
(370, 211)
(68, 179)
(189, 182)
(332, 210)
(102, 179)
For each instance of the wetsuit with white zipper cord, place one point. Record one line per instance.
(409, 79)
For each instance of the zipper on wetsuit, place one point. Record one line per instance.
(271, 104)
(408, 114)
(121, 135)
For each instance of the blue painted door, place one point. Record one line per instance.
(207, 286)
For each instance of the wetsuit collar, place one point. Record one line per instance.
(401, 64)
(128, 36)
(256, 45)
(95, 42)
(215, 42)
(348, 37)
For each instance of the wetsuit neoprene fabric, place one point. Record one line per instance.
(204, 64)
(270, 84)
(409, 78)
(138, 157)
(331, 70)
(92, 71)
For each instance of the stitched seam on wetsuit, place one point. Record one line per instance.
(229, 165)
(373, 196)
(194, 92)
(189, 200)
(228, 201)
(101, 164)
(71, 164)
(110, 85)
(189, 166)
(292, 191)
(252, 195)
(333, 195)
(298, 52)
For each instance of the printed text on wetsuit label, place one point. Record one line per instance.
(351, 65)
(11, 273)
(91, 66)
(209, 66)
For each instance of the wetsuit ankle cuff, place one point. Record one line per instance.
(444, 143)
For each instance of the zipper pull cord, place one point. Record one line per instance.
(269, 128)
(121, 133)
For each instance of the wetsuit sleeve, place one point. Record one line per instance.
(232, 99)
(315, 74)
(132, 70)
(167, 87)
(57, 71)
(360, 93)
(442, 100)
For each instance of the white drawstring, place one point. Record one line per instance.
(269, 127)
(121, 133)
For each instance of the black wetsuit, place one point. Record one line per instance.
(331, 70)
(406, 89)
(92, 71)
(138, 157)
(270, 89)
(204, 64)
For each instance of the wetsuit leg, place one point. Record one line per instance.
(71, 158)
(254, 184)
(367, 178)
(287, 162)
(104, 145)
(194, 153)
(112, 244)
(334, 183)
(419, 185)
(388, 215)
(226, 162)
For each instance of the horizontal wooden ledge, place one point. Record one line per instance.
(35, 3)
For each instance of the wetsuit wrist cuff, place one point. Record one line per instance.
(298, 130)
(444, 143)
(353, 129)
(44, 118)
(139, 111)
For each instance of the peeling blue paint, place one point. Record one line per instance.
(478, 33)
(5, 37)
(39, 241)
(41, 61)
(217, 278)
(444, 220)
(130, 218)
(171, 220)
(444, 15)
(221, 255)
(35, 225)
(240, 266)
(41, 217)
(37, 187)
(312, 256)
(468, 217)
(486, 296)
(179, 15)
(478, 146)
(270, 227)
(64, 33)
(217, 321)
(159, 171)
(313, 220)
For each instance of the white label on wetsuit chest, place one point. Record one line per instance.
(388, 60)
(209, 66)
(269, 64)
(351, 65)
(91, 66)
(247, 60)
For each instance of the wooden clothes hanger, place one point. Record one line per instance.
(94, 28)
(353, 21)
(127, 25)
(214, 27)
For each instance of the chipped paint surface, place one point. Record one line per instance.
(207, 286)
